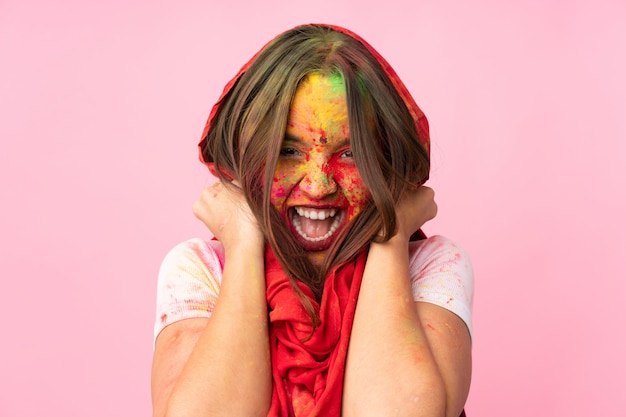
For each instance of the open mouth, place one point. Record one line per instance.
(314, 226)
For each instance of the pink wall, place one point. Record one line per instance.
(101, 107)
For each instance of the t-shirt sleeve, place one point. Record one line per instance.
(442, 274)
(189, 282)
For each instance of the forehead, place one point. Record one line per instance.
(319, 107)
(320, 89)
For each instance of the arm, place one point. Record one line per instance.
(405, 358)
(220, 366)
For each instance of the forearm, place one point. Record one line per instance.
(229, 370)
(390, 367)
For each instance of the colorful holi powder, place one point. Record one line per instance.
(316, 168)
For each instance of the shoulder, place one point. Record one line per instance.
(439, 250)
(189, 281)
(442, 273)
(194, 252)
(191, 264)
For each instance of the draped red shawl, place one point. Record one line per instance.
(308, 367)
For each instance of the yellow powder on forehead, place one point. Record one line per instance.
(320, 102)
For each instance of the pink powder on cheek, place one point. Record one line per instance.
(278, 192)
(285, 178)
(278, 189)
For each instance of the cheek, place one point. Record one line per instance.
(354, 191)
(278, 193)
(282, 184)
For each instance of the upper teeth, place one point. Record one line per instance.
(315, 214)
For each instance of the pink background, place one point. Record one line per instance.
(101, 106)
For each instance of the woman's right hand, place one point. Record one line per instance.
(225, 211)
(416, 208)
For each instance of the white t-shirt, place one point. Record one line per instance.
(191, 274)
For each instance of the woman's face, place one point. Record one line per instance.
(317, 187)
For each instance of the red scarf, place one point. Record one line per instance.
(308, 376)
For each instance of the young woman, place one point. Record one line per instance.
(319, 295)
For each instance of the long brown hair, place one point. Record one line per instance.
(245, 134)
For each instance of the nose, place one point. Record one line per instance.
(318, 183)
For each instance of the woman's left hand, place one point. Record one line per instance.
(414, 210)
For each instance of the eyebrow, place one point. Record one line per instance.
(294, 139)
